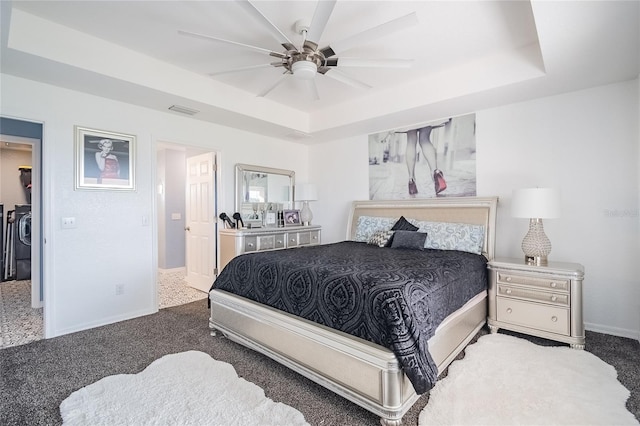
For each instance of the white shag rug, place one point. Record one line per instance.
(504, 380)
(188, 388)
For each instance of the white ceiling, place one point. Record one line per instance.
(467, 56)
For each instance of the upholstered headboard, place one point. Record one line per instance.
(470, 210)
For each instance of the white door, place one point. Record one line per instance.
(200, 221)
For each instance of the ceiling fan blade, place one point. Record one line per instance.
(250, 9)
(367, 36)
(368, 63)
(320, 19)
(247, 68)
(343, 78)
(273, 86)
(235, 43)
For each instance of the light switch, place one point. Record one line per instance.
(176, 216)
(68, 222)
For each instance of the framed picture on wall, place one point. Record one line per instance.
(291, 218)
(104, 160)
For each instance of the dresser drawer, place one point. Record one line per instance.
(561, 299)
(315, 237)
(304, 238)
(546, 283)
(250, 244)
(292, 239)
(549, 318)
(270, 242)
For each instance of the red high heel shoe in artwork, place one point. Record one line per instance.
(413, 189)
(439, 181)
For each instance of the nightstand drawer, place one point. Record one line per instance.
(554, 319)
(546, 283)
(561, 299)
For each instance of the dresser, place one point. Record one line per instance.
(543, 301)
(234, 242)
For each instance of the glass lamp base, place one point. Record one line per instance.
(535, 245)
(305, 214)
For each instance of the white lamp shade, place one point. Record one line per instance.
(540, 203)
(306, 192)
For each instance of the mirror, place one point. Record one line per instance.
(262, 189)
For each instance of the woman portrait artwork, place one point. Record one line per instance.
(105, 160)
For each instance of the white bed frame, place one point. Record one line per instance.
(363, 372)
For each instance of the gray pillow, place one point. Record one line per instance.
(408, 240)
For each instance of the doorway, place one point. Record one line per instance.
(22, 283)
(186, 249)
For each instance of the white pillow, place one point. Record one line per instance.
(369, 225)
(452, 236)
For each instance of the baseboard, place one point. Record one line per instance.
(172, 270)
(104, 321)
(614, 331)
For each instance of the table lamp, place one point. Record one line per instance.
(536, 204)
(306, 192)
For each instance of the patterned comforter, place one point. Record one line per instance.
(393, 297)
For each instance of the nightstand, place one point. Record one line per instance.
(543, 301)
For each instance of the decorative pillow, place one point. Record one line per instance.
(453, 236)
(408, 240)
(381, 238)
(404, 225)
(368, 225)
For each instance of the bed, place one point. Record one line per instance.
(381, 377)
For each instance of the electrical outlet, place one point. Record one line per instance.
(119, 289)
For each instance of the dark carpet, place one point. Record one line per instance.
(37, 377)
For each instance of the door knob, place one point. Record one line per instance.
(187, 229)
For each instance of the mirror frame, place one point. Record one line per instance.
(242, 168)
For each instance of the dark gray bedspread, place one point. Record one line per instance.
(393, 297)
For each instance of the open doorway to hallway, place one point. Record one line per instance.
(186, 204)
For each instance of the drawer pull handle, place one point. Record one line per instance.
(554, 318)
(509, 310)
(293, 240)
(553, 284)
(279, 241)
(250, 244)
(508, 291)
(508, 279)
(554, 298)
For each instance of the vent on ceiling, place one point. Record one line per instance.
(183, 110)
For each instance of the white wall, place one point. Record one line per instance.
(110, 245)
(584, 143)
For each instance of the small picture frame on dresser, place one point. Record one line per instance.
(270, 219)
(291, 218)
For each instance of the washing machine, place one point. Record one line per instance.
(22, 241)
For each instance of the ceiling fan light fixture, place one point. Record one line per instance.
(304, 70)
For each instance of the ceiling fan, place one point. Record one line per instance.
(308, 60)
